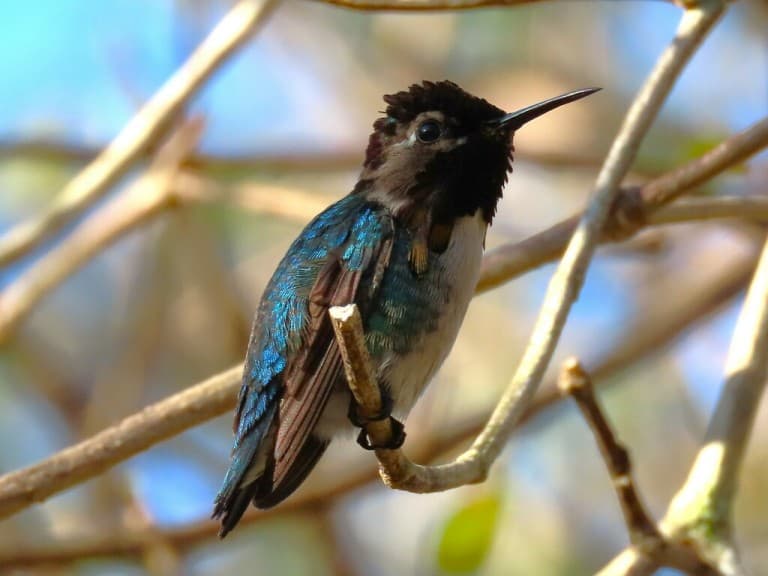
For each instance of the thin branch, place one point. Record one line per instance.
(717, 207)
(472, 465)
(700, 515)
(132, 435)
(337, 160)
(149, 195)
(511, 260)
(576, 382)
(139, 134)
(649, 334)
(499, 265)
(703, 508)
(430, 5)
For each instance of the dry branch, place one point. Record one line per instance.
(136, 433)
(149, 195)
(650, 334)
(699, 517)
(576, 382)
(510, 260)
(703, 508)
(473, 464)
(140, 133)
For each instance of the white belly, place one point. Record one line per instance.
(408, 375)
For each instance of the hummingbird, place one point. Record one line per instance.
(405, 245)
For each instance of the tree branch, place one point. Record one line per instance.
(703, 508)
(649, 334)
(138, 135)
(149, 195)
(430, 5)
(510, 260)
(576, 382)
(473, 464)
(136, 433)
(699, 517)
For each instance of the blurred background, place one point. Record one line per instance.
(286, 120)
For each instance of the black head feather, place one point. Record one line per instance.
(467, 110)
(453, 180)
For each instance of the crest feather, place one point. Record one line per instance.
(444, 96)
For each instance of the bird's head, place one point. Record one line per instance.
(441, 145)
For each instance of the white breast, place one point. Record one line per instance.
(407, 376)
(460, 268)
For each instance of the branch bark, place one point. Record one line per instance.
(699, 517)
(136, 433)
(576, 382)
(151, 194)
(649, 334)
(703, 508)
(510, 260)
(137, 136)
(472, 465)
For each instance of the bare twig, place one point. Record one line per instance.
(576, 382)
(703, 508)
(139, 134)
(717, 207)
(510, 260)
(151, 194)
(648, 335)
(337, 160)
(473, 464)
(699, 517)
(134, 434)
(428, 5)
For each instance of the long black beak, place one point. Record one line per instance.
(515, 120)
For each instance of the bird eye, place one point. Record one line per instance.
(428, 131)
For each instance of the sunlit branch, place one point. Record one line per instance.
(703, 508)
(149, 124)
(510, 260)
(649, 334)
(473, 464)
(136, 433)
(151, 194)
(432, 5)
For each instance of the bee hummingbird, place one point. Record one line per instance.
(405, 245)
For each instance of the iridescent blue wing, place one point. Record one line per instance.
(293, 362)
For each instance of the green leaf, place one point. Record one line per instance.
(468, 535)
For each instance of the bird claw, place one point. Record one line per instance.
(396, 440)
(360, 421)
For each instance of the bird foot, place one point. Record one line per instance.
(360, 421)
(396, 440)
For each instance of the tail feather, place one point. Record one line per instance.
(231, 510)
(298, 470)
(249, 476)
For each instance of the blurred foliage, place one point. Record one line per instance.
(467, 535)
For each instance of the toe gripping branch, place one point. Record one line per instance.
(398, 430)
